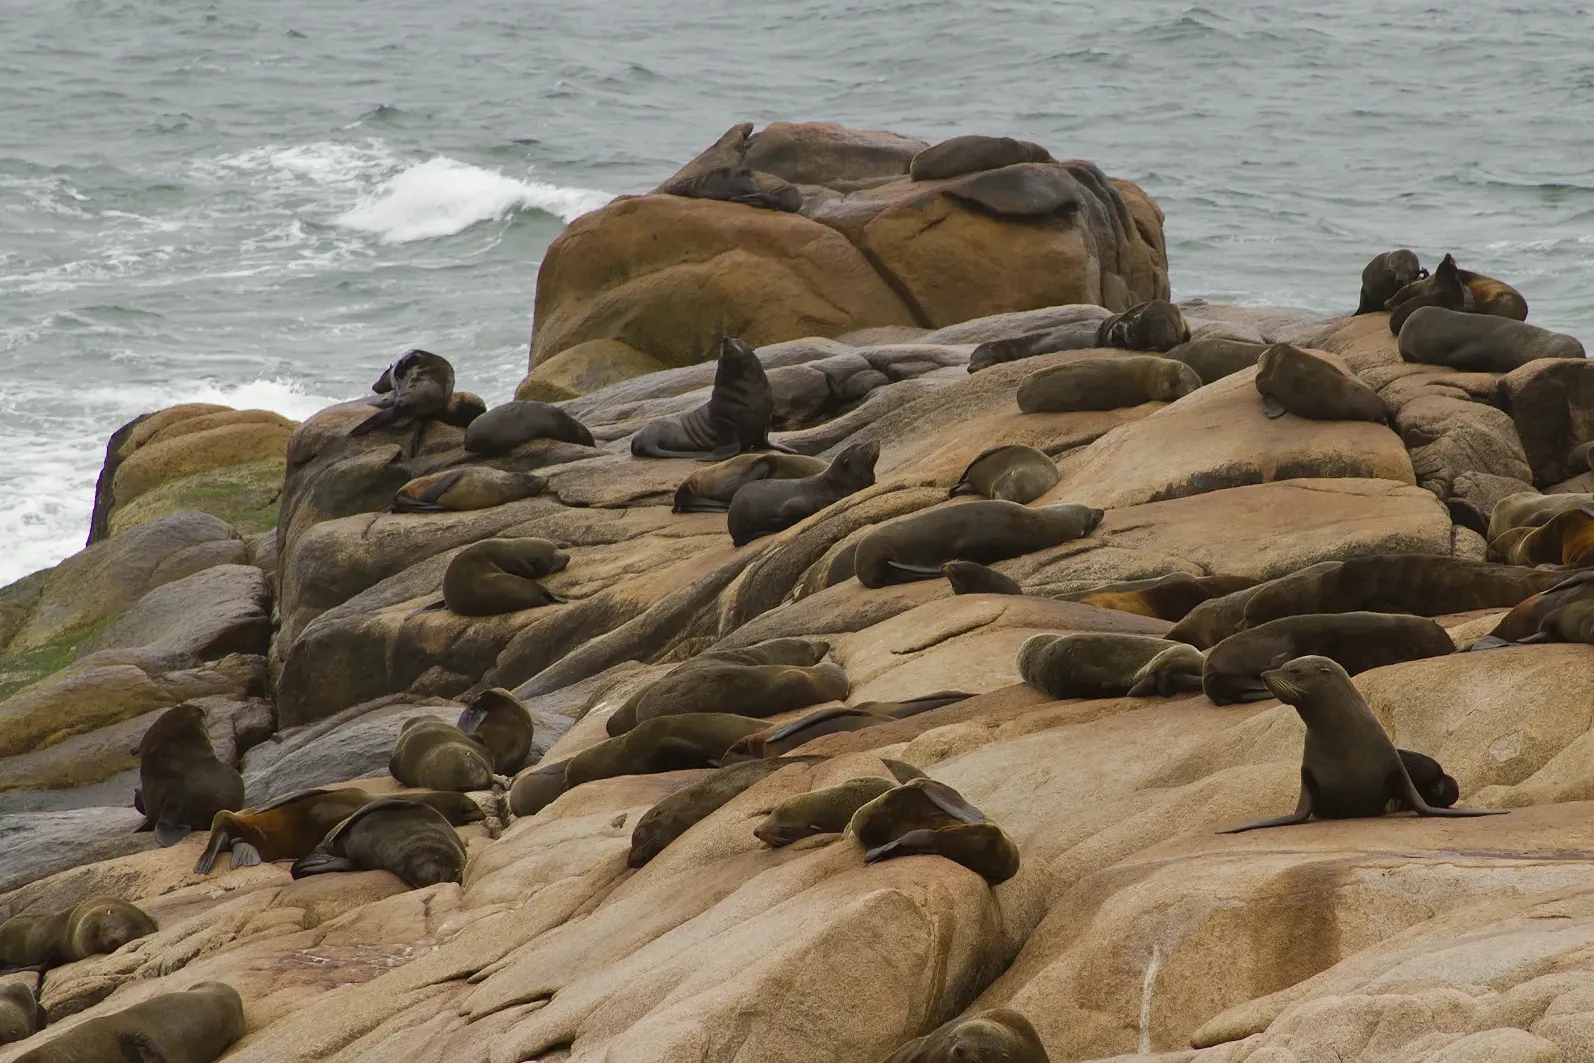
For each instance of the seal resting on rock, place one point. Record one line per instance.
(1350, 769)
(735, 184)
(1564, 613)
(664, 743)
(1565, 539)
(998, 1036)
(1097, 664)
(1443, 289)
(503, 428)
(1356, 640)
(435, 755)
(735, 419)
(928, 817)
(915, 547)
(970, 577)
(194, 1026)
(1105, 384)
(415, 389)
(765, 507)
(1216, 357)
(1292, 380)
(826, 811)
(1385, 275)
(408, 838)
(971, 154)
(1075, 336)
(711, 490)
(1485, 295)
(1012, 473)
(1155, 325)
(783, 738)
(1212, 621)
(1167, 597)
(20, 1015)
(97, 926)
(535, 789)
(689, 806)
(1479, 343)
(1529, 509)
(182, 783)
(500, 576)
(473, 487)
(500, 723)
(745, 690)
(798, 652)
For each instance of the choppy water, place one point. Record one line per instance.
(260, 204)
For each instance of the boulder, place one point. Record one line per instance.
(219, 610)
(38, 844)
(1551, 403)
(584, 368)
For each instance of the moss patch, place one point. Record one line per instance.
(23, 670)
(245, 496)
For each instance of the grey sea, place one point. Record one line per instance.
(261, 204)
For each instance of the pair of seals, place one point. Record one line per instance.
(1385, 276)
(1564, 613)
(500, 723)
(664, 743)
(1105, 384)
(712, 490)
(735, 419)
(1108, 665)
(736, 184)
(408, 838)
(94, 927)
(972, 154)
(927, 817)
(500, 576)
(439, 756)
(503, 428)
(1012, 473)
(20, 1014)
(1479, 343)
(194, 1026)
(826, 811)
(414, 389)
(915, 547)
(1001, 1035)
(1350, 768)
(292, 826)
(765, 507)
(1292, 380)
(1443, 288)
(1529, 509)
(458, 490)
(690, 805)
(1168, 597)
(675, 687)
(182, 783)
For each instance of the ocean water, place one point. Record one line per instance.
(260, 205)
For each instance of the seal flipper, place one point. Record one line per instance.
(951, 802)
(897, 572)
(220, 840)
(168, 833)
(914, 842)
(1302, 813)
(245, 855)
(320, 863)
(690, 503)
(432, 608)
(1488, 642)
(1272, 408)
(1403, 789)
(379, 419)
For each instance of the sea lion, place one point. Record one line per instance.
(826, 811)
(1292, 380)
(498, 721)
(1386, 275)
(711, 490)
(408, 838)
(193, 1026)
(1350, 768)
(1485, 295)
(1357, 641)
(1013, 473)
(1216, 357)
(435, 755)
(690, 805)
(735, 184)
(1529, 509)
(293, 825)
(735, 419)
(785, 737)
(97, 926)
(1105, 384)
(971, 154)
(182, 783)
(1443, 288)
(929, 817)
(536, 789)
(462, 410)
(765, 507)
(759, 690)
(20, 1015)
(420, 385)
(1072, 336)
(1564, 613)
(472, 487)
(969, 577)
(503, 428)
(500, 576)
(1155, 325)
(1167, 597)
(1479, 343)
(1001, 1035)
(1214, 620)
(664, 743)
(1565, 539)
(1104, 665)
(1173, 671)
(915, 547)
(797, 652)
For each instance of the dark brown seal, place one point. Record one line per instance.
(1012, 473)
(1350, 769)
(1212, 621)
(1216, 357)
(497, 720)
(536, 788)
(826, 811)
(1443, 289)
(797, 652)
(1293, 380)
(194, 1026)
(435, 755)
(736, 184)
(1072, 336)
(970, 577)
(1357, 641)
(711, 490)
(1156, 325)
(1105, 384)
(1486, 295)
(417, 389)
(735, 419)
(1167, 597)
(1099, 664)
(785, 737)
(689, 806)
(182, 783)
(1385, 275)
(20, 1015)
(500, 576)
(97, 926)
(1479, 343)
(928, 817)
(1564, 613)
(503, 428)
(765, 507)
(972, 154)
(1001, 1035)
(665, 743)
(408, 838)
(758, 690)
(473, 487)
(915, 547)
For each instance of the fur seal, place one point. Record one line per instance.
(1479, 343)
(1012, 473)
(500, 576)
(1565, 539)
(472, 487)
(711, 490)
(408, 838)
(498, 721)
(1001, 1035)
(1216, 357)
(1155, 325)
(1564, 613)
(1443, 288)
(735, 184)
(196, 1025)
(1073, 336)
(418, 388)
(735, 419)
(97, 926)
(929, 817)
(292, 826)
(1350, 768)
(826, 811)
(969, 577)
(1386, 275)
(971, 154)
(182, 783)
(1437, 788)
(1214, 620)
(783, 738)
(1105, 665)
(435, 755)
(753, 690)
(765, 507)
(797, 652)
(20, 1015)
(1292, 380)
(1529, 509)
(535, 789)
(664, 743)
(463, 408)
(690, 805)
(1357, 641)
(503, 428)
(1168, 597)
(1485, 295)
(1105, 384)
(915, 547)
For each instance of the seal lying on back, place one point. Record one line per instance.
(194, 1026)
(1350, 768)
(711, 490)
(735, 418)
(500, 723)
(1012, 473)
(439, 756)
(1485, 295)
(473, 487)
(1292, 380)
(1105, 384)
(1387, 274)
(20, 1015)
(97, 926)
(182, 783)
(1156, 325)
(503, 428)
(971, 154)
(410, 839)
(915, 547)
(745, 690)
(1478, 342)
(1167, 597)
(928, 817)
(826, 811)
(500, 576)
(765, 507)
(689, 806)
(417, 388)
(1564, 613)
(1443, 288)
(735, 184)
(1357, 641)
(998, 1036)
(1099, 664)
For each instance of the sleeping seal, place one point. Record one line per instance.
(1001, 1035)
(1479, 343)
(928, 817)
(94, 927)
(711, 490)
(472, 487)
(1358, 641)
(1105, 384)
(1012, 473)
(500, 723)
(915, 547)
(500, 576)
(435, 755)
(410, 839)
(196, 1025)
(1292, 380)
(503, 428)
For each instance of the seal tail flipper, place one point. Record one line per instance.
(219, 841)
(699, 504)
(402, 504)
(897, 572)
(1272, 407)
(1406, 791)
(168, 833)
(245, 855)
(379, 419)
(962, 487)
(430, 608)
(914, 841)
(320, 863)
(781, 448)
(1488, 642)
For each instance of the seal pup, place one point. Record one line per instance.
(1001, 1035)
(1443, 288)
(1437, 788)
(1386, 275)
(1105, 384)
(94, 927)
(1564, 613)
(826, 811)
(1175, 670)
(20, 1014)
(500, 576)
(1073, 336)
(664, 743)
(971, 154)
(711, 490)
(435, 755)
(1292, 380)
(182, 783)
(408, 838)
(735, 419)
(1155, 325)
(1479, 343)
(1098, 664)
(1349, 769)
(196, 1025)
(928, 817)
(1485, 295)
(500, 723)
(503, 428)
(1216, 357)
(690, 805)
(1356, 640)
(1012, 473)
(969, 577)
(419, 387)
(765, 507)
(915, 547)
(783, 738)
(753, 690)
(735, 184)
(536, 788)
(472, 487)
(1170, 596)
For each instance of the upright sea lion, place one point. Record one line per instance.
(665, 743)
(690, 805)
(759, 690)
(785, 737)
(421, 385)
(182, 783)
(928, 817)
(735, 184)
(1386, 275)
(797, 652)
(826, 811)
(1072, 336)
(1214, 358)
(1167, 597)
(1001, 1035)
(1565, 539)
(498, 720)
(971, 154)
(915, 547)
(1105, 384)
(435, 755)
(472, 487)
(1564, 613)
(292, 826)
(1485, 295)
(1443, 289)
(410, 839)
(970, 577)
(1156, 325)
(1214, 620)
(20, 1015)
(1529, 509)
(500, 576)
(1012, 473)
(711, 490)
(97, 926)
(1350, 768)
(1357, 641)
(193, 1026)
(1104, 665)
(735, 418)
(1292, 380)
(765, 507)
(503, 428)
(536, 789)
(1479, 343)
